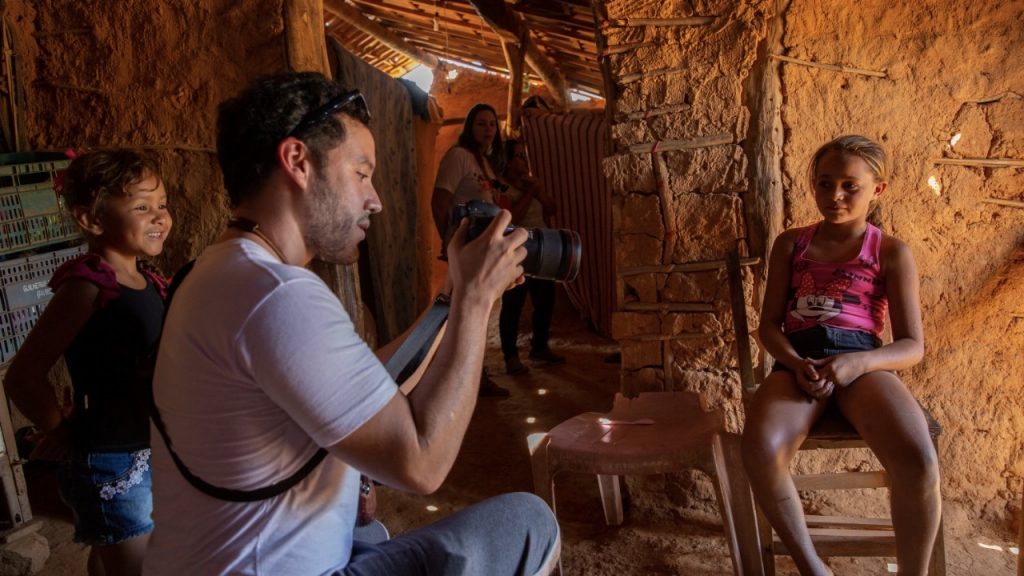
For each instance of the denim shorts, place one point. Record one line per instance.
(823, 341)
(110, 494)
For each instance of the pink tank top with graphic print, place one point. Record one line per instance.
(849, 295)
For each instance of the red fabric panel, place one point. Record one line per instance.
(566, 153)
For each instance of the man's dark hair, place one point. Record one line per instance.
(253, 123)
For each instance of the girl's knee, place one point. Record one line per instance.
(763, 448)
(919, 468)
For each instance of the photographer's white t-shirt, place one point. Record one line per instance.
(259, 366)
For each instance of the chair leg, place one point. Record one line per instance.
(543, 483)
(611, 499)
(767, 537)
(736, 506)
(937, 563)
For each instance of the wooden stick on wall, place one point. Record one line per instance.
(670, 145)
(620, 48)
(1001, 202)
(634, 76)
(686, 267)
(514, 59)
(981, 162)
(633, 22)
(667, 207)
(652, 112)
(835, 67)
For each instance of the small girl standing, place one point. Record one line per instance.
(105, 319)
(828, 289)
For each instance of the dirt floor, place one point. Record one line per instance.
(671, 524)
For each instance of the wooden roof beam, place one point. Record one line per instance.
(356, 19)
(503, 20)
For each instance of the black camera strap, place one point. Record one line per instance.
(414, 349)
(400, 366)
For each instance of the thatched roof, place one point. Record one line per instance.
(561, 30)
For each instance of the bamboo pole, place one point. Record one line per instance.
(634, 76)
(670, 145)
(651, 113)
(634, 22)
(1001, 202)
(835, 67)
(981, 162)
(688, 267)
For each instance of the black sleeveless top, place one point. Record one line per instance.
(111, 362)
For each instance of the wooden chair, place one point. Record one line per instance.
(654, 433)
(832, 535)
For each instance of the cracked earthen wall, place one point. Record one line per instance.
(949, 85)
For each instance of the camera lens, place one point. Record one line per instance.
(552, 254)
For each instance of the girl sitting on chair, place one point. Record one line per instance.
(829, 287)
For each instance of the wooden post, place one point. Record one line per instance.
(306, 51)
(668, 212)
(600, 12)
(304, 35)
(503, 21)
(1020, 543)
(514, 59)
(764, 202)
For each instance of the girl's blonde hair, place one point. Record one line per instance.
(866, 149)
(99, 174)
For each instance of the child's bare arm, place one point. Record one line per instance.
(26, 380)
(773, 308)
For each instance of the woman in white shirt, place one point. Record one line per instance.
(469, 171)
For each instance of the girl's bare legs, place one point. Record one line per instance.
(881, 408)
(778, 420)
(123, 558)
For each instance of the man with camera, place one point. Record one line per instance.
(269, 403)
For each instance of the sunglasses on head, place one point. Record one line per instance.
(333, 106)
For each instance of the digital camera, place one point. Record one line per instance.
(550, 254)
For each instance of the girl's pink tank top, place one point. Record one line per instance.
(849, 295)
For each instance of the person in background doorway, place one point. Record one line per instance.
(105, 318)
(469, 171)
(531, 207)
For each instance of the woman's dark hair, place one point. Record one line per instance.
(96, 175)
(866, 149)
(495, 156)
(252, 124)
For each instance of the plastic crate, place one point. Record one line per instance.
(31, 213)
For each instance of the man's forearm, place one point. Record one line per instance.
(442, 403)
